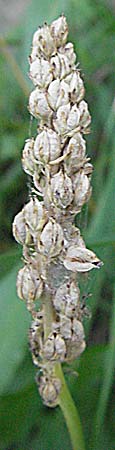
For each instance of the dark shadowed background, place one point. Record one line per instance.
(25, 423)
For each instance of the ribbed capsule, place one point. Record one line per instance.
(34, 215)
(20, 230)
(29, 284)
(67, 119)
(76, 87)
(51, 239)
(59, 30)
(38, 104)
(61, 190)
(43, 43)
(71, 329)
(85, 118)
(82, 189)
(40, 73)
(49, 389)
(58, 94)
(68, 51)
(74, 154)
(63, 62)
(67, 299)
(35, 338)
(28, 160)
(80, 259)
(47, 146)
(55, 347)
(74, 349)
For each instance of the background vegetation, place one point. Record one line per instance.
(25, 423)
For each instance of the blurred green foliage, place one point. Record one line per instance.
(25, 422)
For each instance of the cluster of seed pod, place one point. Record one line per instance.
(53, 249)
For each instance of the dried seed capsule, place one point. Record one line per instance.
(66, 299)
(28, 161)
(60, 347)
(76, 86)
(62, 63)
(29, 284)
(88, 168)
(40, 73)
(20, 230)
(49, 347)
(80, 259)
(74, 350)
(82, 189)
(65, 327)
(43, 43)
(54, 347)
(67, 120)
(57, 94)
(62, 192)
(68, 51)
(75, 152)
(51, 239)
(78, 330)
(38, 105)
(49, 389)
(47, 146)
(59, 30)
(34, 215)
(85, 118)
(35, 339)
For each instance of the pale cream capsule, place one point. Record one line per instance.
(49, 389)
(61, 64)
(68, 51)
(61, 189)
(55, 347)
(43, 43)
(40, 73)
(80, 259)
(38, 105)
(34, 215)
(29, 285)
(65, 327)
(74, 349)
(82, 189)
(28, 160)
(78, 330)
(47, 146)
(58, 94)
(67, 120)
(76, 86)
(74, 153)
(19, 228)
(67, 299)
(59, 30)
(85, 118)
(51, 239)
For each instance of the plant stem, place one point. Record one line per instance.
(70, 413)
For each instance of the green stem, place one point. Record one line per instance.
(70, 413)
